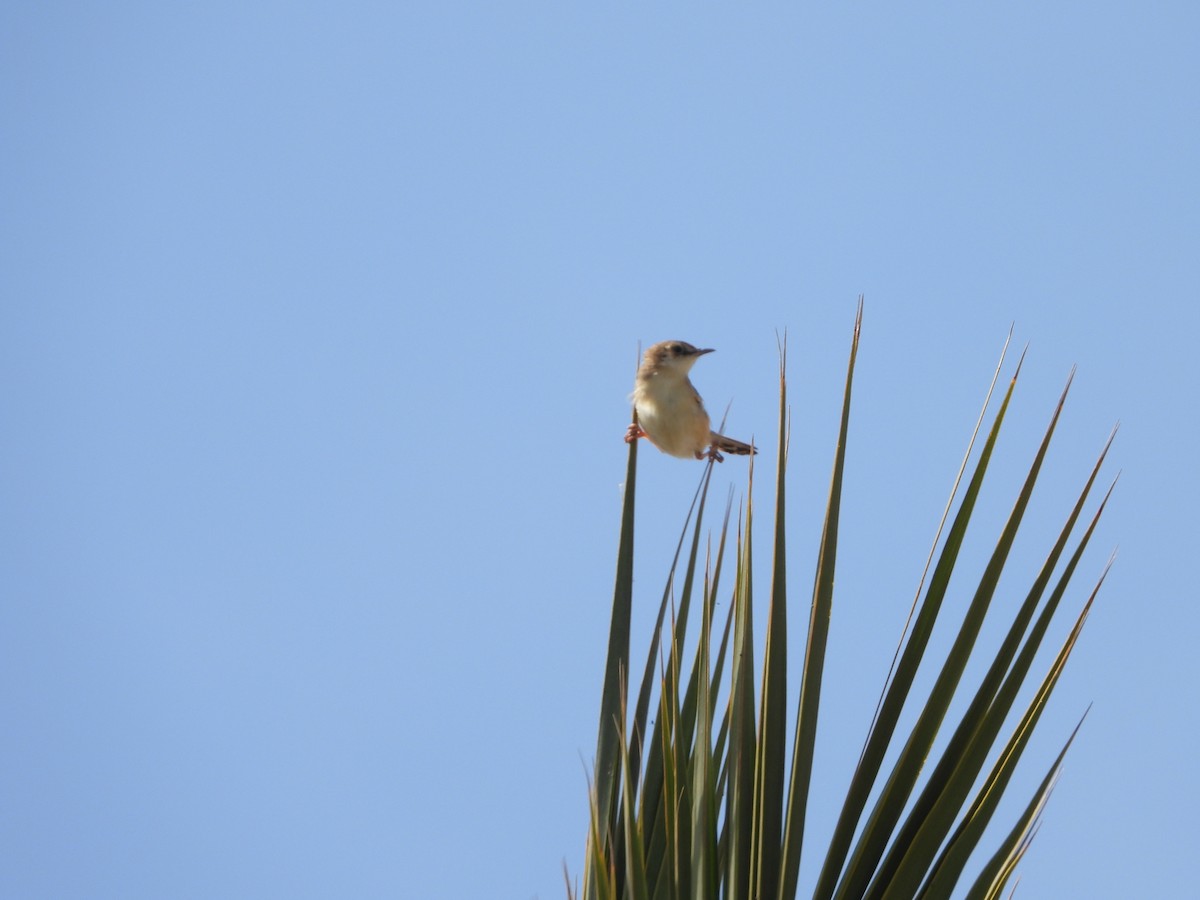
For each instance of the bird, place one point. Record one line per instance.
(669, 409)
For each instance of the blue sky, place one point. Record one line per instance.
(317, 332)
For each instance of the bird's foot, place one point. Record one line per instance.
(711, 453)
(633, 432)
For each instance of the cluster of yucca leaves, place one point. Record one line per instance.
(708, 803)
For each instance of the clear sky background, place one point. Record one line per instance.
(318, 324)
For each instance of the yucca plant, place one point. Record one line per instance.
(705, 800)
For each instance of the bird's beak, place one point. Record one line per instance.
(702, 352)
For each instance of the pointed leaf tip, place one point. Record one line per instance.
(1020, 362)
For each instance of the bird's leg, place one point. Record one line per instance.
(711, 453)
(633, 433)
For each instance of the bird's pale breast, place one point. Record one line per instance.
(671, 413)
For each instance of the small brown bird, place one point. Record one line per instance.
(670, 411)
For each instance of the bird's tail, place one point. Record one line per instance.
(729, 445)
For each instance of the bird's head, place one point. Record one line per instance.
(672, 358)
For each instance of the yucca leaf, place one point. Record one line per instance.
(700, 673)
(869, 846)
(719, 744)
(916, 750)
(966, 837)
(635, 863)
(685, 741)
(941, 801)
(739, 793)
(599, 881)
(704, 819)
(770, 774)
(814, 657)
(721, 754)
(722, 649)
(997, 870)
(904, 670)
(612, 700)
(652, 792)
(664, 849)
